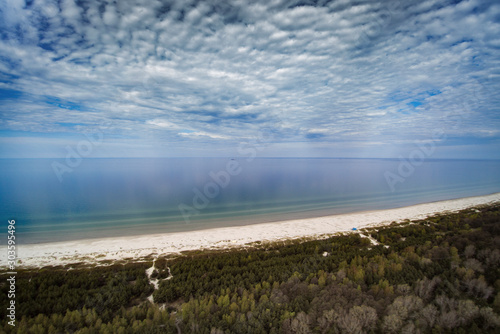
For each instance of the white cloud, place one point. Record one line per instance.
(376, 72)
(203, 134)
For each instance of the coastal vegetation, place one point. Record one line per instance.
(436, 275)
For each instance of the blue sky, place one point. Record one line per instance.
(207, 78)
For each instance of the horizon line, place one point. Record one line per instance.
(244, 158)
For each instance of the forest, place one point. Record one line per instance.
(436, 275)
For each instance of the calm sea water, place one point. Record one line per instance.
(116, 197)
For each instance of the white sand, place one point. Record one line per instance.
(137, 247)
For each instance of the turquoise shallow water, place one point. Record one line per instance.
(117, 197)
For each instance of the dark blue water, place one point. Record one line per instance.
(116, 197)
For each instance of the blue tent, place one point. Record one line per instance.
(354, 229)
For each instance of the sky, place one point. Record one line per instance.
(159, 78)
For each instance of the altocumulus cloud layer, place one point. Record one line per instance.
(307, 78)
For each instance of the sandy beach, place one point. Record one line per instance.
(137, 247)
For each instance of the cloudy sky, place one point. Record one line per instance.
(343, 78)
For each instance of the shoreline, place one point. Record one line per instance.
(132, 248)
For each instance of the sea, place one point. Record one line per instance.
(61, 200)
